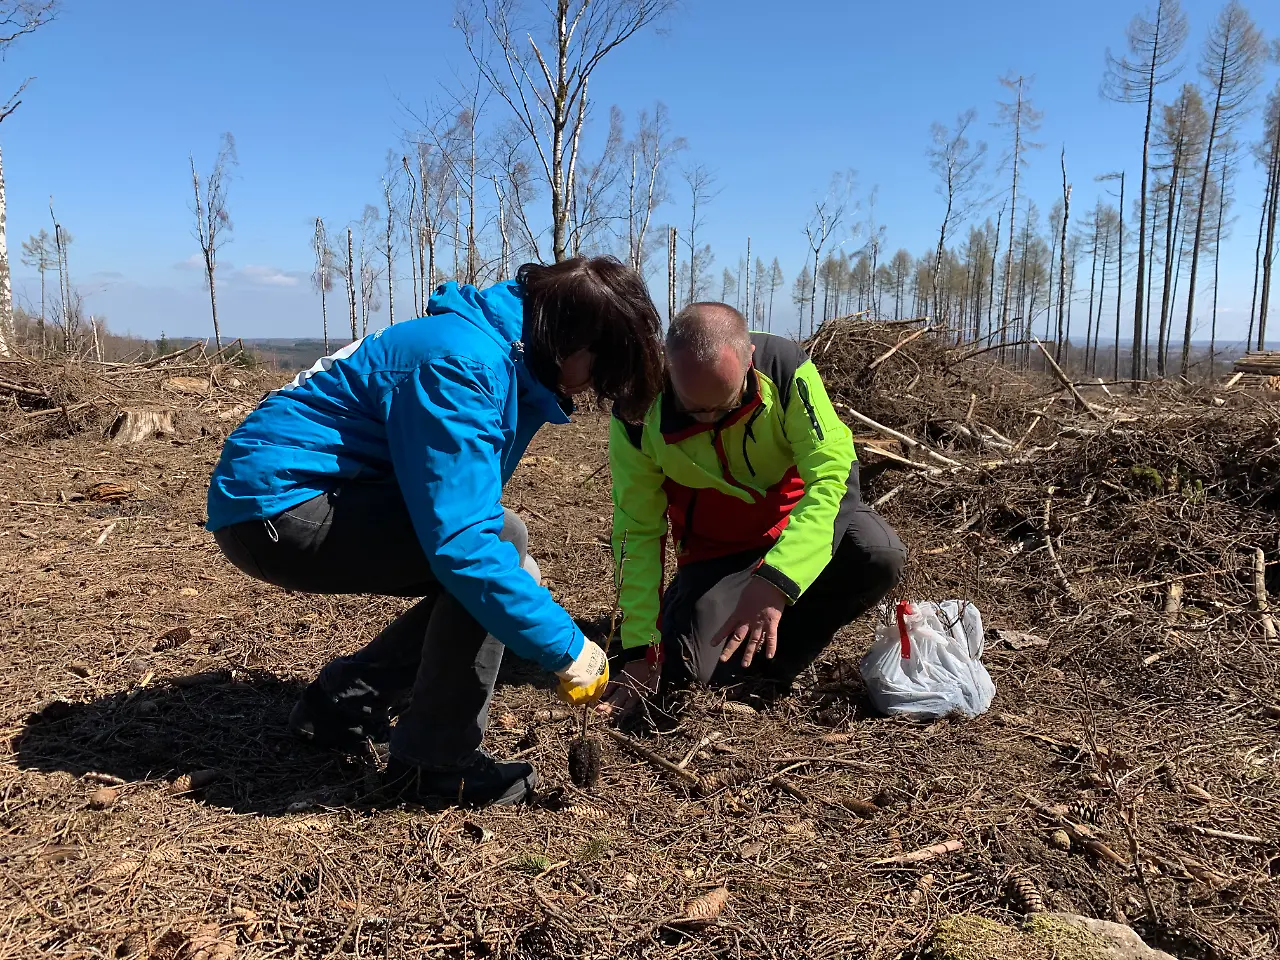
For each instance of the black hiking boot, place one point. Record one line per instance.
(479, 782)
(340, 721)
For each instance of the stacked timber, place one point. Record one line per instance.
(1256, 371)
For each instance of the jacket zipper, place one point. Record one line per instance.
(688, 520)
(803, 389)
(749, 434)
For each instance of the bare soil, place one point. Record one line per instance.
(135, 655)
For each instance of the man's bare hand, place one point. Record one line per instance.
(753, 622)
(637, 681)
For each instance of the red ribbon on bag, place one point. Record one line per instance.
(904, 638)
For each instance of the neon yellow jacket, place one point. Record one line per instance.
(771, 476)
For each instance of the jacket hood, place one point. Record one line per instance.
(498, 312)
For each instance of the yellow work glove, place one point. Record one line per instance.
(584, 680)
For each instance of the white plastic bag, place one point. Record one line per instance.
(927, 661)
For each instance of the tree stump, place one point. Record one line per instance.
(138, 425)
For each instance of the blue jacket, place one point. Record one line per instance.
(444, 404)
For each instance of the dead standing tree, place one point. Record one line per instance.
(546, 92)
(1270, 155)
(1155, 43)
(212, 220)
(957, 164)
(1232, 63)
(17, 19)
(1021, 118)
(827, 214)
(701, 181)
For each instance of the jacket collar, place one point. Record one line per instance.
(677, 425)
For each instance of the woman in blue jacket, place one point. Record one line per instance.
(380, 471)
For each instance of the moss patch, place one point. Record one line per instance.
(970, 937)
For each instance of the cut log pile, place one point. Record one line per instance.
(1256, 371)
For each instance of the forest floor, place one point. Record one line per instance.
(1129, 768)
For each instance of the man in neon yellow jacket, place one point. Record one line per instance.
(744, 456)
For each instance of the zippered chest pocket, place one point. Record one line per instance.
(802, 388)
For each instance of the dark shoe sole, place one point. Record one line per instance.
(302, 724)
(405, 790)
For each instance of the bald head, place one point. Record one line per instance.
(702, 332)
(708, 354)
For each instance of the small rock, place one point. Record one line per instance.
(1060, 840)
(189, 592)
(79, 668)
(103, 797)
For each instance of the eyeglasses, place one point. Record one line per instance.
(712, 414)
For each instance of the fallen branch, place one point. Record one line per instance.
(662, 763)
(919, 856)
(899, 459)
(1221, 834)
(1066, 381)
(896, 347)
(902, 438)
(1053, 554)
(887, 497)
(1260, 593)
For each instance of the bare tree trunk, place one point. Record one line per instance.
(1257, 251)
(1172, 226)
(6, 290)
(351, 287)
(672, 268)
(1013, 216)
(1102, 298)
(457, 231)
(1177, 277)
(1151, 273)
(1268, 252)
(1115, 373)
(213, 305)
(1062, 264)
(1217, 257)
(1196, 242)
(1093, 283)
(747, 270)
(391, 285)
(995, 262)
(324, 318)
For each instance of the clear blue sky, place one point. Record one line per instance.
(774, 97)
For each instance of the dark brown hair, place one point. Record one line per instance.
(596, 304)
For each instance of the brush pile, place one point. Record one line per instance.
(1123, 555)
(129, 401)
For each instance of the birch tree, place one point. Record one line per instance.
(776, 280)
(1155, 42)
(213, 222)
(1232, 66)
(17, 19)
(650, 153)
(957, 163)
(37, 253)
(388, 249)
(542, 73)
(702, 191)
(595, 202)
(322, 275)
